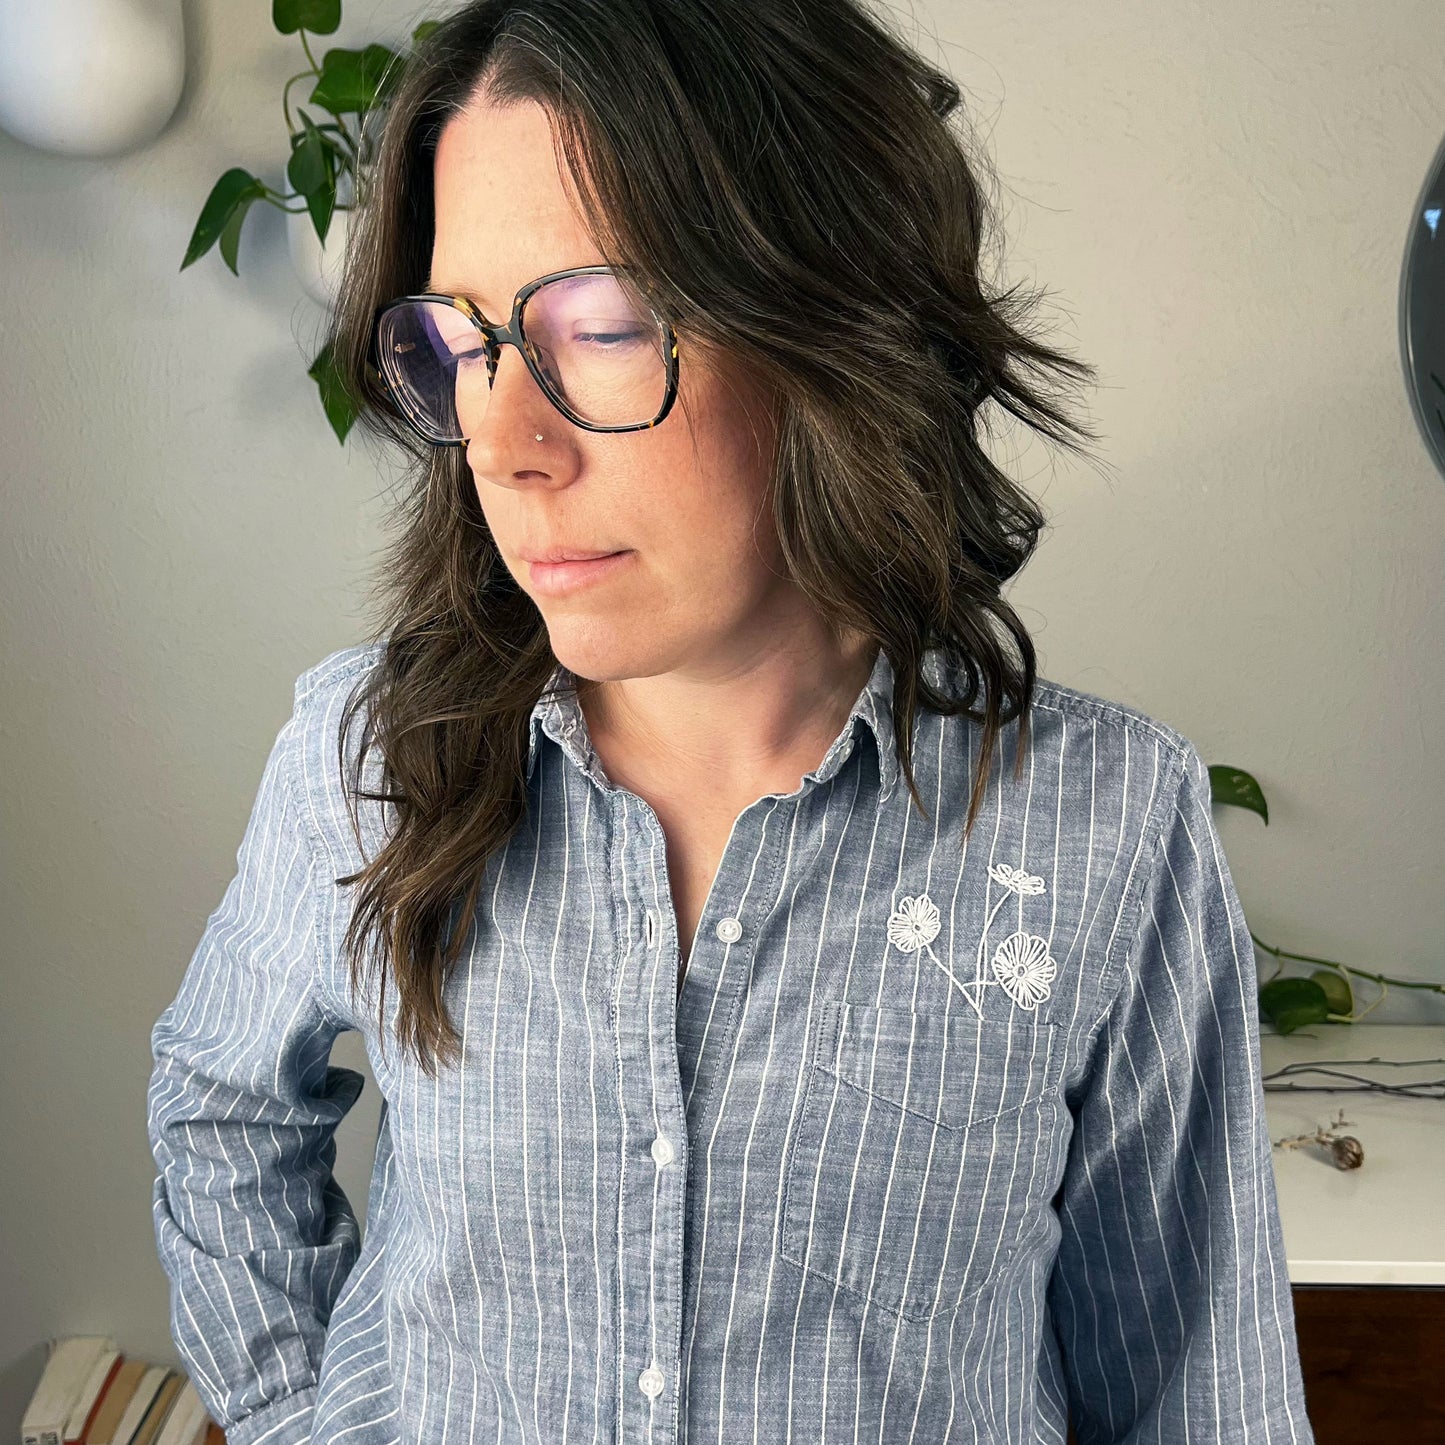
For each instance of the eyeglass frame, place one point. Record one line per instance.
(495, 337)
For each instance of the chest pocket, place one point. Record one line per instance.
(918, 1157)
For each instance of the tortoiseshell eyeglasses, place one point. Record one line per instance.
(600, 353)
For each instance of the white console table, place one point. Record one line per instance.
(1383, 1223)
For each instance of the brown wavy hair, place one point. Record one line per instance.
(793, 185)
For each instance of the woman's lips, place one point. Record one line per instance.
(558, 578)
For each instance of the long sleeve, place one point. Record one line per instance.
(251, 1227)
(1170, 1293)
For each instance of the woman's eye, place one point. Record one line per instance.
(463, 352)
(607, 338)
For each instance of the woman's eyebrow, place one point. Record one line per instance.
(449, 288)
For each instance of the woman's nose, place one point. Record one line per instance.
(501, 427)
(511, 402)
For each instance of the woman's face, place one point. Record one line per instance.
(701, 586)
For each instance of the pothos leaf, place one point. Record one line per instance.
(1237, 788)
(1293, 1003)
(312, 171)
(320, 17)
(225, 208)
(341, 410)
(1338, 993)
(356, 80)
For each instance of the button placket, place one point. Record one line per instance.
(651, 1205)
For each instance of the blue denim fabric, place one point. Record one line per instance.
(936, 1144)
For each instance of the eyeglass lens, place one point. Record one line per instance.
(597, 351)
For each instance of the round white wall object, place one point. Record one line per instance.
(318, 266)
(90, 77)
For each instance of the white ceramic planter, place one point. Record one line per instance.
(90, 77)
(318, 267)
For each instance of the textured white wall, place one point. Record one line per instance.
(1217, 199)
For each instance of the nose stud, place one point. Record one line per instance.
(539, 436)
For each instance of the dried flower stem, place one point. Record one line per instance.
(1346, 1152)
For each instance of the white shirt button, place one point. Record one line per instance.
(662, 1151)
(729, 930)
(650, 1382)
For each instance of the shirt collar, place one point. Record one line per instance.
(559, 715)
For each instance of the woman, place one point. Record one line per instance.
(950, 1127)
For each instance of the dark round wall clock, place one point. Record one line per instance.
(1422, 311)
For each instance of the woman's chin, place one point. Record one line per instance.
(601, 647)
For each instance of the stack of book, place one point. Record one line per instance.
(91, 1394)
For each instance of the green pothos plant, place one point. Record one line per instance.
(331, 156)
(1298, 999)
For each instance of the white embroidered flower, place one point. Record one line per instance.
(1022, 965)
(1015, 879)
(913, 924)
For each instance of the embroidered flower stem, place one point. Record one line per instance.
(983, 937)
(962, 987)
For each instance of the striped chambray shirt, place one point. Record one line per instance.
(937, 1143)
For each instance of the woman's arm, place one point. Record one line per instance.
(251, 1226)
(1170, 1295)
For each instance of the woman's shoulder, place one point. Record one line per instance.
(338, 669)
(1108, 764)
(1076, 723)
(1066, 706)
(328, 734)
(1063, 718)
